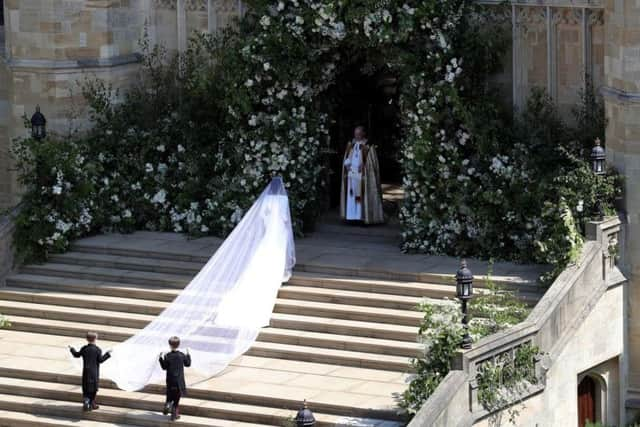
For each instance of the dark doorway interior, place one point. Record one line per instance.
(367, 98)
(586, 401)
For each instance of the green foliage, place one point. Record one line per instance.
(188, 147)
(441, 332)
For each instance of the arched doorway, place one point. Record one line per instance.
(587, 396)
(364, 94)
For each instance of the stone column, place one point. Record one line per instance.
(622, 98)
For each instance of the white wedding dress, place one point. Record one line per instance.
(218, 316)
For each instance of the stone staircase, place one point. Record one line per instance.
(337, 338)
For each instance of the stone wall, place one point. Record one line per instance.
(52, 46)
(593, 350)
(622, 97)
(556, 46)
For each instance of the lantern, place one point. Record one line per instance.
(598, 157)
(464, 282)
(305, 417)
(464, 292)
(38, 125)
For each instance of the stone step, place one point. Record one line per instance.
(106, 414)
(277, 350)
(220, 393)
(24, 419)
(92, 287)
(313, 287)
(130, 291)
(108, 274)
(528, 294)
(90, 246)
(338, 296)
(90, 254)
(140, 401)
(131, 309)
(279, 320)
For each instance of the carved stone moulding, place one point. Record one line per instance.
(566, 16)
(530, 18)
(195, 5)
(165, 4)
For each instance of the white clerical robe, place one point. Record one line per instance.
(353, 164)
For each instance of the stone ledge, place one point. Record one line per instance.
(620, 96)
(581, 4)
(70, 64)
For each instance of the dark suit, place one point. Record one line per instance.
(174, 363)
(92, 357)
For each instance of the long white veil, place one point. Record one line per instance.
(219, 314)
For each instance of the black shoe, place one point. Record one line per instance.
(168, 407)
(86, 405)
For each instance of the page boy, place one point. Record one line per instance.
(174, 363)
(92, 357)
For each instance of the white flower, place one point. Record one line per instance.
(160, 197)
(441, 159)
(127, 214)
(253, 121)
(248, 83)
(266, 66)
(280, 6)
(180, 148)
(57, 189)
(160, 148)
(204, 228)
(299, 20)
(580, 206)
(265, 21)
(148, 168)
(115, 198)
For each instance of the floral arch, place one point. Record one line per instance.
(292, 51)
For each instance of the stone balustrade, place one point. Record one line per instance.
(549, 326)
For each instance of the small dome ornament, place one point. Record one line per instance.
(305, 417)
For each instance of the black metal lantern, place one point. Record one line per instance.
(598, 157)
(464, 292)
(464, 282)
(305, 417)
(38, 125)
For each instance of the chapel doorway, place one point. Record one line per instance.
(363, 96)
(586, 401)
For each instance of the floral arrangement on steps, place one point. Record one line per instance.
(188, 147)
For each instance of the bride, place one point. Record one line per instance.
(219, 314)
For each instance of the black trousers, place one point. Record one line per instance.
(173, 395)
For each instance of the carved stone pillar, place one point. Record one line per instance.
(622, 98)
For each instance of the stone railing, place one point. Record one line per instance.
(549, 326)
(6, 250)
